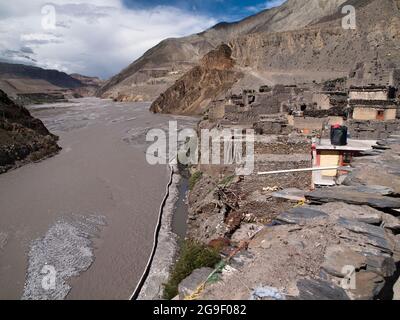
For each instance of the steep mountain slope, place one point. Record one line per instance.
(159, 67)
(22, 137)
(192, 93)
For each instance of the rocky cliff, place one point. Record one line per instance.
(324, 49)
(22, 137)
(192, 93)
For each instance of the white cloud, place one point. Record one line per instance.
(266, 5)
(90, 37)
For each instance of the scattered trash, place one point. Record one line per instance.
(265, 293)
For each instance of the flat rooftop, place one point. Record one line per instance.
(352, 145)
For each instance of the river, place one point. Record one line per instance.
(80, 225)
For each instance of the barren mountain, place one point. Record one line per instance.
(159, 67)
(29, 84)
(24, 78)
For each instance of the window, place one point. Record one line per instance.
(380, 115)
(347, 157)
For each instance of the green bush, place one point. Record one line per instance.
(193, 256)
(226, 181)
(194, 178)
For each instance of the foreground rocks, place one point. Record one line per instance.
(342, 244)
(22, 138)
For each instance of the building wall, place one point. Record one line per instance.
(308, 123)
(395, 78)
(390, 114)
(372, 114)
(365, 114)
(217, 111)
(361, 95)
(322, 100)
(329, 159)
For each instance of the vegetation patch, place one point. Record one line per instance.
(193, 256)
(225, 182)
(194, 178)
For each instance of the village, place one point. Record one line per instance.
(323, 195)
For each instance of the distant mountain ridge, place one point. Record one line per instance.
(54, 77)
(29, 84)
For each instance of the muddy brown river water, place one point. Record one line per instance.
(80, 225)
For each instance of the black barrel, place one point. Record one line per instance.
(339, 135)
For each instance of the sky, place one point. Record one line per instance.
(101, 37)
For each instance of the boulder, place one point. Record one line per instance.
(337, 257)
(359, 213)
(352, 195)
(300, 215)
(391, 222)
(291, 194)
(371, 235)
(368, 286)
(384, 266)
(319, 290)
(190, 284)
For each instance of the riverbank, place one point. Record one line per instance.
(166, 243)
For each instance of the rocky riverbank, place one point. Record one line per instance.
(340, 243)
(23, 138)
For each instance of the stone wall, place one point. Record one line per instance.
(395, 79)
(372, 130)
(372, 114)
(368, 95)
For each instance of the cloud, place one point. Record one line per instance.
(265, 5)
(86, 36)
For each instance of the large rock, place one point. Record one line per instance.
(190, 284)
(372, 235)
(391, 222)
(338, 257)
(384, 266)
(368, 286)
(360, 213)
(300, 215)
(291, 194)
(320, 290)
(352, 195)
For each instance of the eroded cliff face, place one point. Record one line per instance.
(23, 138)
(327, 50)
(192, 93)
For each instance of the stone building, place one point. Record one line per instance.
(372, 92)
(383, 110)
(373, 103)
